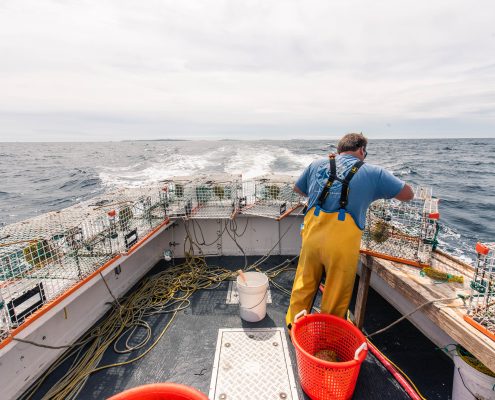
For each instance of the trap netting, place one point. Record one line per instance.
(482, 301)
(43, 257)
(270, 196)
(403, 231)
(202, 197)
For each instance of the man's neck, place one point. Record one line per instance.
(358, 154)
(350, 153)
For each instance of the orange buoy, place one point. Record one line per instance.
(161, 391)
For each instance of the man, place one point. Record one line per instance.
(340, 189)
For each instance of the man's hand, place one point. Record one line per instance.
(405, 194)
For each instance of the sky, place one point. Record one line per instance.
(122, 70)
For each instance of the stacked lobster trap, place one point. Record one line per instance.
(403, 231)
(40, 259)
(130, 214)
(270, 196)
(43, 257)
(201, 197)
(481, 312)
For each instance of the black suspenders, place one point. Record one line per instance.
(344, 194)
(345, 183)
(331, 178)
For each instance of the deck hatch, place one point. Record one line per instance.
(252, 364)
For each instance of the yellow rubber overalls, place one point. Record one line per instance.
(330, 243)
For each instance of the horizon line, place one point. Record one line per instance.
(238, 140)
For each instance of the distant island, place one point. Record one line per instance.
(156, 140)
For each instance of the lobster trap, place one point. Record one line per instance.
(403, 231)
(203, 197)
(36, 265)
(177, 197)
(131, 214)
(270, 196)
(481, 312)
(43, 257)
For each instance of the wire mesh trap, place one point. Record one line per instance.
(481, 312)
(202, 197)
(270, 196)
(403, 231)
(43, 257)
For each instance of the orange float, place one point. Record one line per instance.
(161, 391)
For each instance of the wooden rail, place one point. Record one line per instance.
(448, 316)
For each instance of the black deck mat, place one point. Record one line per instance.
(185, 354)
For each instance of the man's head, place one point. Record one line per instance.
(352, 142)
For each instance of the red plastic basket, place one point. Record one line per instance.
(161, 391)
(321, 379)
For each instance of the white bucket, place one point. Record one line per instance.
(252, 297)
(471, 384)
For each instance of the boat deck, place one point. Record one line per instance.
(186, 353)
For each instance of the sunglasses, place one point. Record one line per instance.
(365, 153)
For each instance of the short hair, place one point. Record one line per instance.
(352, 142)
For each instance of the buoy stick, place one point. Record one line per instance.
(243, 276)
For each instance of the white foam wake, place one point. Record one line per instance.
(253, 161)
(171, 165)
(250, 160)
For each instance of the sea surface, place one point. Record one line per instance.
(40, 177)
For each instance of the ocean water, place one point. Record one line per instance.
(40, 177)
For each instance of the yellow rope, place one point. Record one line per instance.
(166, 292)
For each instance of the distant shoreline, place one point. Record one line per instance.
(252, 140)
(156, 140)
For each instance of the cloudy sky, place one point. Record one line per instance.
(116, 69)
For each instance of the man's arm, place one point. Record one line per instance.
(299, 191)
(405, 194)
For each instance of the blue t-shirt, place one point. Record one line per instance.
(369, 184)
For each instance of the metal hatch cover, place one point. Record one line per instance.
(252, 364)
